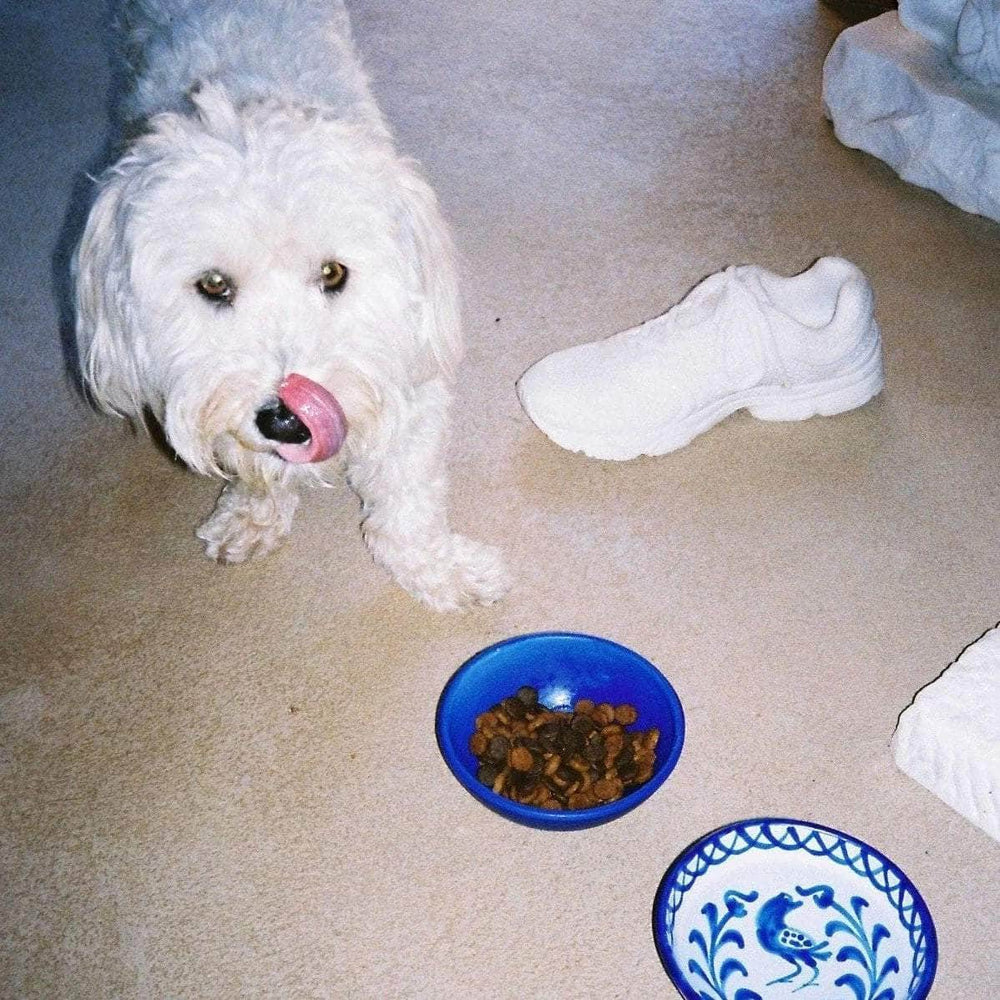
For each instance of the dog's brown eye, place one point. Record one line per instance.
(216, 286)
(333, 275)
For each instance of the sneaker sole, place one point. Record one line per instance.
(825, 398)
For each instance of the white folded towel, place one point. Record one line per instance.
(949, 737)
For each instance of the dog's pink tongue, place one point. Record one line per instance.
(319, 410)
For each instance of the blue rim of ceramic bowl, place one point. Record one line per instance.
(922, 934)
(568, 819)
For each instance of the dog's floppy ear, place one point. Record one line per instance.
(104, 302)
(441, 324)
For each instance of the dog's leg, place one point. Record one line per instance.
(405, 520)
(248, 520)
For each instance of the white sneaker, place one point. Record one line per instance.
(784, 348)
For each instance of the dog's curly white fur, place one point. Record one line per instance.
(261, 156)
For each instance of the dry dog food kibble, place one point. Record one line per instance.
(561, 760)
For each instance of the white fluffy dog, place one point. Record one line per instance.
(265, 275)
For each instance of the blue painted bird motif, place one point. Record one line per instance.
(788, 943)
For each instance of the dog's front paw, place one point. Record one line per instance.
(244, 525)
(451, 576)
(471, 573)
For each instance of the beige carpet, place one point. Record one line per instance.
(223, 782)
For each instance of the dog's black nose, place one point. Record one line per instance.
(277, 423)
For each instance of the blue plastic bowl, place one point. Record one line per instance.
(564, 667)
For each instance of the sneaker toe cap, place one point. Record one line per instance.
(563, 389)
(582, 403)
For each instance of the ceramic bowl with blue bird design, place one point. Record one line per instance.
(563, 667)
(766, 909)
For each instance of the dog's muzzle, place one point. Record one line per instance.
(305, 422)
